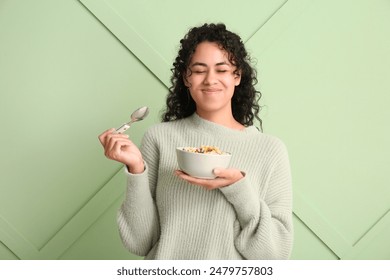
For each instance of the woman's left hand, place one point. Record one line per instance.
(225, 177)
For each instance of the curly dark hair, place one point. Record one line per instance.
(179, 103)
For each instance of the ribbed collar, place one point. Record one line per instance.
(205, 126)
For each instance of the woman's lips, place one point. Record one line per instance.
(210, 90)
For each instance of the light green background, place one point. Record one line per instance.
(71, 69)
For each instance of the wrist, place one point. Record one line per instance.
(136, 168)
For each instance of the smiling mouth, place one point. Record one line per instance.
(211, 90)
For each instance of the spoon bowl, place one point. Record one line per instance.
(138, 115)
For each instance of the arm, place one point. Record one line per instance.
(266, 224)
(137, 217)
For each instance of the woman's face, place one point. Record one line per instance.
(211, 79)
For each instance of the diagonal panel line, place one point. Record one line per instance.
(16, 242)
(320, 226)
(265, 22)
(85, 218)
(130, 38)
(311, 231)
(370, 229)
(71, 231)
(379, 228)
(276, 24)
(80, 209)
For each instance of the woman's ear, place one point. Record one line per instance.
(237, 77)
(186, 83)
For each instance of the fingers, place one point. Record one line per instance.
(119, 147)
(115, 147)
(225, 177)
(114, 144)
(112, 139)
(114, 151)
(108, 135)
(229, 173)
(102, 137)
(206, 183)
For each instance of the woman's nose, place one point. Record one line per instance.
(210, 78)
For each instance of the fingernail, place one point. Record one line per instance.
(216, 171)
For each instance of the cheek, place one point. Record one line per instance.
(195, 82)
(231, 82)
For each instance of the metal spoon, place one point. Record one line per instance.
(136, 116)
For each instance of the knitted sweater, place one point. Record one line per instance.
(165, 217)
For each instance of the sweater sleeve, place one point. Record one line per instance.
(266, 223)
(137, 217)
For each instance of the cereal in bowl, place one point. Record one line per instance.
(204, 150)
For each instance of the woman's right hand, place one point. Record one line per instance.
(119, 147)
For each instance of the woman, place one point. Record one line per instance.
(246, 212)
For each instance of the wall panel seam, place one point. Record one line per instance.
(16, 242)
(133, 41)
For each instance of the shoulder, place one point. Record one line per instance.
(278, 149)
(265, 138)
(273, 144)
(274, 141)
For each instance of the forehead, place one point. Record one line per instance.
(209, 52)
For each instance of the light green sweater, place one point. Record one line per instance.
(164, 217)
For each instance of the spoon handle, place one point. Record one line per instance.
(123, 128)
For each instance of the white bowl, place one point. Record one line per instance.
(201, 165)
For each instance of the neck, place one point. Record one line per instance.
(226, 120)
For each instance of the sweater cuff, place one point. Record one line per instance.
(137, 186)
(244, 200)
(128, 173)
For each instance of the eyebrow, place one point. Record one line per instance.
(205, 65)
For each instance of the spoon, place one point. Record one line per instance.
(137, 115)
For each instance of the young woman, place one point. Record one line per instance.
(246, 212)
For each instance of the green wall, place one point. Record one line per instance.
(70, 69)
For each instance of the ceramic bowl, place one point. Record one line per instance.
(201, 165)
